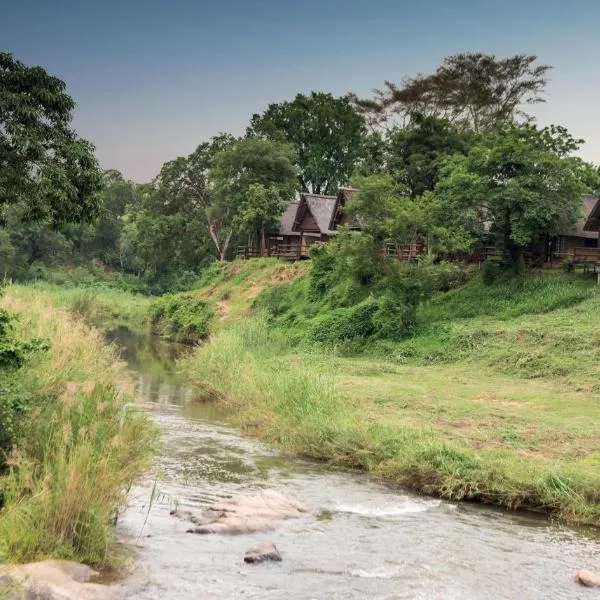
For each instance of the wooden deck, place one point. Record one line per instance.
(282, 251)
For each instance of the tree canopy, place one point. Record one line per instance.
(253, 179)
(516, 184)
(327, 133)
(44, 165)
(472, 90)
(417, 151)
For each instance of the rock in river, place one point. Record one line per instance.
(53, 580)
(264, 551)
(588, 578)
(245, 513)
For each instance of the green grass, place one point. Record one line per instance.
(79, 446)
(182, 317)
(495, 398)
(101, 306)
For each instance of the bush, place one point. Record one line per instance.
(568, 266)
(343, 324)
(182, 317)
(13, 398)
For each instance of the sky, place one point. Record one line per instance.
(154, 78)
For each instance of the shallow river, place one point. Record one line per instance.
(362, 540)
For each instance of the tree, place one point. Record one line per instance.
(417, 151)
(471, 90)
(260, 210)
(253, 179)
(186, 189)
(515, 182)
(327, 133)
(43, 164)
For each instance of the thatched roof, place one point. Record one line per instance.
(288, 217)
(590, 223)
(321, 207)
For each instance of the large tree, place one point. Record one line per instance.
(185, 188)
(518, 182)
(44, 165)
(253, 180)
(472, 90)
(416, 152)
(327, 133)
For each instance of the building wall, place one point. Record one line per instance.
(567, 242)
(309, 223)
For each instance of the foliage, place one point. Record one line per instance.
(75, 447)
(181, 316)
(353, 293)
(13, 398)
(183, 191)
(521, 187)
(326, 132)
(44, 166)
(416, 152)
(471, 90)
(253, 180)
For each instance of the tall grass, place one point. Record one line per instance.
(297, 401)
(508, 297)
(79, 448)
(101, 306)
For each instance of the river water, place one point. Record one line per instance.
(362, 539)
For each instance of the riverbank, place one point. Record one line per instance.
(77, 448)
(461, 432)
(494, 399)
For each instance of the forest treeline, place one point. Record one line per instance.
(452, 158)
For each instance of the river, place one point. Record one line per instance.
(362, 540)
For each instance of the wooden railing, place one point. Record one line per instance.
(246, 252)
(283, 251)
(584, 255)
(287, 251)
(403, 252)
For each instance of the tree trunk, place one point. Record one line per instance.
(263, 243)
(225, 247)
(517, 258)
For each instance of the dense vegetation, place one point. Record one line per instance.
(470, 406)
(69, 446)
(420, 372)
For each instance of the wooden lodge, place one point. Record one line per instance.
(310, 219)
(314, 218)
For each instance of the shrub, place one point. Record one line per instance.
(343, 324)
(181, 316)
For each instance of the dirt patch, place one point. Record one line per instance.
(254, 291)
(460, 424)
(223, 309)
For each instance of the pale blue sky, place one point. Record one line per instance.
(152, 79)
